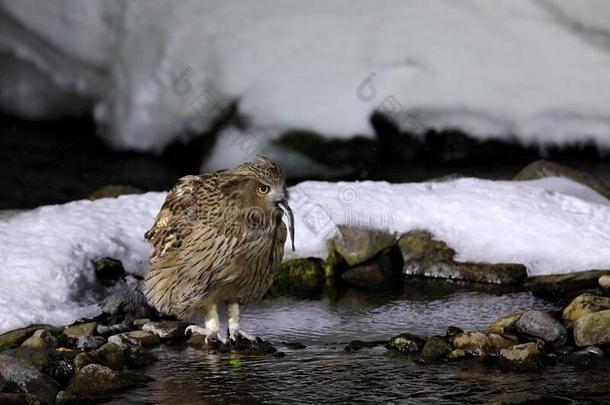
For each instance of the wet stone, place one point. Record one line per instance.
(90, 342)
(40, 338)
(108, 270)
(166, 330)
(504, 322)
(371, 276)
(473, 343)
(294, 345)
(241, 346)
(15, 338)
(82, 329)
(523, 357)
(135, 338)
(53, 363)
(110, 355)
(95, 380)
(27, 379)
(406, 343)
(138, 357)
(18, 399)
(435, 348)
(456, 354)
(357, 245)
(541, 325)
(122, 326)
(585, 304)
(593, 329)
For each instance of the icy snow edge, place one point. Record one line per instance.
(553, 225)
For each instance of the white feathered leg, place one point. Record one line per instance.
(211, 331)
(234, 330)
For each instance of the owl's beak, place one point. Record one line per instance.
(283, 204)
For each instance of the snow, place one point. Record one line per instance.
(535, 71)
(553, 225)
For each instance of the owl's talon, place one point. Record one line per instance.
(210, 335)
(234, 335)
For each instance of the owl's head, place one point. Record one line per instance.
(261, 184)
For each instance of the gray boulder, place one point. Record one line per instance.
(20, 377)
(357, 245)
(541, 325)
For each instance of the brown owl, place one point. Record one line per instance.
(219, 237)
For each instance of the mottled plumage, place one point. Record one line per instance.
(219, 237)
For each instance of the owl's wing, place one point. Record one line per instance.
(184, 205)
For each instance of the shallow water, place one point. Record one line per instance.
(324, 372)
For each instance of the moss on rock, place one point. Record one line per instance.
(300, 277)
(593, 329)
(585, 304)
(425, 256)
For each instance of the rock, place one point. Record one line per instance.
(377, 274)
(501, 323)
(126, 303)
(40, 338)
(108, 270)
(138, 323)
(15, 338)
(242, 346)
(453, 330)
(523, 357)
(110, 355)
(65, 398)
(583, 359)
(480, 344)
(95, 380)
(424, 256)
(90, 342)
(113, 191)
(300, 277)
(123, 326)
(543, 168)
(53, 363)
(406, 343)
(436, 348)
(564, 286)
(135, 338)
(24, 378)
(585, 304)
(456, 354)
(541, 325)
(356, 245)
(19, 399)
(82, 329)
(604, 281)
(138, 357)
(593, 329)
(294, 345)
(166, 330)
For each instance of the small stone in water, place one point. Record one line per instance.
(406, 343)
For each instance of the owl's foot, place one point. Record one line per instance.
(234, 335)
(210, 335)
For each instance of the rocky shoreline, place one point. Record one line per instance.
(95, 359)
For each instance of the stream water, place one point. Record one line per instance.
(324, 372)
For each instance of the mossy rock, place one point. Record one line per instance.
(435, 348)
(377, 274)
(95, 380)
(110, 355)
(406, 343)
(523, 357)
(15, 338)
(357, 245)
(81, 329)
(544, 168)
(424, 256)
(593, 329)
(585, 304)
(300, 277)
(564, 286)
(504, 322)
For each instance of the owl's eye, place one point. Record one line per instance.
(262, 190)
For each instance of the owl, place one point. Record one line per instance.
(219, 238)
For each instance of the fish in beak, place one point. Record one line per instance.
(283, 204)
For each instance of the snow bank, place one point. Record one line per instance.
(552, 225)
(533, 70)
